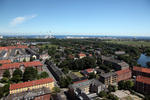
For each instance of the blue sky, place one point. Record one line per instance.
(75, 17)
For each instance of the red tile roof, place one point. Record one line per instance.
(141, 69)
(12, 47)
(5, 61)
(17, 65)
(30, 83)
(90, 55)
(143, 79)
(43, 97)
(90, 70)
(82, 55)
(33, 63)
(9, 66)
(120, 72)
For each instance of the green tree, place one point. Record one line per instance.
(65, 70)
(16, 79)
(4, 80)
(6, 89)
(112, 88)
(56, 89)
(112, 97)
(65, 81)
(44, 75)
(121, 85)
(92, 75)
(129, 84)
(102, 94)
(17, 72)
(1, 92)
(30, 74)
(6, 74)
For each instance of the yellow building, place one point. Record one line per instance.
(36, 84)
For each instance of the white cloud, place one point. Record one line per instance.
(19, 20)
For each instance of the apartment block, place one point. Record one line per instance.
(31, 85)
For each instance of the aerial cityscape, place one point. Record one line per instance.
(74, 50)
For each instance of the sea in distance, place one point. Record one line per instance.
(76, 36)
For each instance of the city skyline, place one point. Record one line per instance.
(80, 17)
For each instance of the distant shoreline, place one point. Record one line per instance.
(77, 36)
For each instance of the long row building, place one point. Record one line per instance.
(31, 90)
(20, 65)
(142, 79)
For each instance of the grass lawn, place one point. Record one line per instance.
(132, 43)
(78, 74)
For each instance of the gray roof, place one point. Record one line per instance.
(108, 74)
(96, 82)
(119, 62)
(31, 94)
(85, 83)
(81, 95)
(2, 53)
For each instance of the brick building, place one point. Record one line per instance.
(123, 74)
(22, 65)
(141, 71)
(143, 84)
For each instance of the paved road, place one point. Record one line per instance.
(49, 73)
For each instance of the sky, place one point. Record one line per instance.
(75, 17)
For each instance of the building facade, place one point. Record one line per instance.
(35, 94)
(108, 78)
(141, 71)
(22, 65)
(31, 85)
(143, 84)
(123, 74)
(88, 86)
(118, 64)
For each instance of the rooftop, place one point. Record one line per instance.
(13, 47)
(82, 55)
(123, 71)
(30, 94)
(5, 61)
(85, 83)
(30, 83)
(17, 65)
(119, 62)
(108, 74)
(141, 69)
